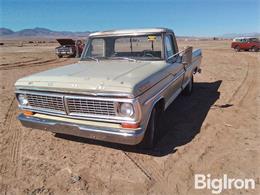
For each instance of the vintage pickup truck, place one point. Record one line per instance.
(117, 91)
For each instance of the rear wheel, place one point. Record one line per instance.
(254, 49)
(189, 88)
(237, 48)
(151, 133)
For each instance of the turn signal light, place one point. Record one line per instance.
(130, 126)
(27, 113)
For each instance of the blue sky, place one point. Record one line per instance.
(185, 17)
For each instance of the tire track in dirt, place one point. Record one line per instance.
(30, 64)
(11, 165)
(148, 167)
(9, 116)
(144, 171)
(14, 145)
(15, 148)
(243, 89)
(15, 133)
(9, 111)
(22, 62)
(240, 85)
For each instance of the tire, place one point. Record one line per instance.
(237, 48)
(59, 56)
(254, 49)
(189, 88)
(151, 133)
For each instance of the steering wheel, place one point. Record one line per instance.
(148, 53)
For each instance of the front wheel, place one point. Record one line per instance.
(151, 133)
(237, 49)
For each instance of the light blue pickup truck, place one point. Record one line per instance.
(116, 92)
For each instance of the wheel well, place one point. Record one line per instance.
(160, 105)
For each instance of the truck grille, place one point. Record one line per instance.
(51, 103)
(62, 104)
(90, 106)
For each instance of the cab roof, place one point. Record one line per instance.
(122, 32)
(245, 38)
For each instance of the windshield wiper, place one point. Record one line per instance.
(92, 58)
(126, 58)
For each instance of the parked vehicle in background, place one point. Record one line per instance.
(69, 48)
(118, 90)
(246, 44)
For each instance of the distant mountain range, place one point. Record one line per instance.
(47, 33)
(233, 35)
(40, 32)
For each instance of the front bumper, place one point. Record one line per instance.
(64, 53)
(109, 134)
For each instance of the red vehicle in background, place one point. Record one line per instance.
(246, 43)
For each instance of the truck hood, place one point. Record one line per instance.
(66, 41)
(96, 77)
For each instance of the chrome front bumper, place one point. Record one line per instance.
(64, 53)
(115, 135)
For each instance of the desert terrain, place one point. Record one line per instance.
(214, 131)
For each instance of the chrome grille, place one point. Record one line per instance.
(90, 107)
(52, 103)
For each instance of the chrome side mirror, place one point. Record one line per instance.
(187, 56)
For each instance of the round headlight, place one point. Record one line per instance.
(23, 99)
(126, 109)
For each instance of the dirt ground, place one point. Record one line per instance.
(215, 131)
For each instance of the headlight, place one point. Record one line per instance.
(23, 100)
(126, 109)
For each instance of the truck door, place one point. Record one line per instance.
(174, 65)
(243, 44)
(250, 43)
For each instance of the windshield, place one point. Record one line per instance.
(145, 47)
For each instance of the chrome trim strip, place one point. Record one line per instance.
(131, 32)
(117, 135)
(164, 88)
(94, 93)
(185, 84)
(65, 104)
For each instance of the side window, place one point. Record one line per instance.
(169, 49)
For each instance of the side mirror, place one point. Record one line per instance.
(179, 59)
(187, 56)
